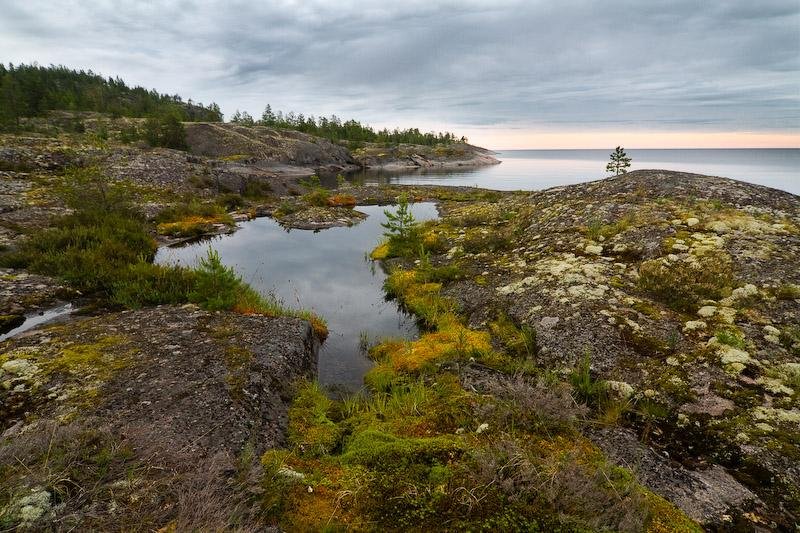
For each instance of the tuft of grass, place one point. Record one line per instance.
(519, 341)
(788, 291)
(731, 338)
(683, 286)
(596, 229)
(587, 389)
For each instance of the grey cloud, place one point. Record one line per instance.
(687, 63)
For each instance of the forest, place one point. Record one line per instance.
(32, 90)
(335, 129)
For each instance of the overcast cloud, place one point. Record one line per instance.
(691, 65)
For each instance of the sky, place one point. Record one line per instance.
(507, 74)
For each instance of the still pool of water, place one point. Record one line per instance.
(540, 169)
(324, 271)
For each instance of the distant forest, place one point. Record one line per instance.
(335, 129)
(31, 90)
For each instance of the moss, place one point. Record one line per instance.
(380, 252)
(310, 428)
(665, 517)
(237, 363)
(383, 450)
(101, 358)
(451, 340)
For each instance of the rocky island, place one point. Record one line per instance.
(621, 354)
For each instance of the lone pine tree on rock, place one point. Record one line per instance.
(619, 162)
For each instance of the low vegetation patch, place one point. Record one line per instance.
(192, 219)
(105, 249)
(682, 286)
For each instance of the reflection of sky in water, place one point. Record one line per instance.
(540, 169)
(326, 272)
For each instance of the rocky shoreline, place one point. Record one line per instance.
(679, 293)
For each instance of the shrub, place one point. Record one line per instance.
(148, 284)
(166, 131)
(90, 250)
(317, 197)
(683, 286)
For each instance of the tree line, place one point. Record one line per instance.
(31, 90)
(335, 129)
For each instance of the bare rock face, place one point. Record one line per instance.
(261, 144)
(410, 156)
(705, 495)
(185, 394)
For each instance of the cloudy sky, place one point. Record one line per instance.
(508, 74)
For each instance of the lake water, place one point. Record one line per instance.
(326, 272)
(540, 169)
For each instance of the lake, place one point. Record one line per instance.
(325, 271)
(540, 169)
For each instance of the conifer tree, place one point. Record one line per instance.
(619, 162)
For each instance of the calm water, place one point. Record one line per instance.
(326, 272)
(540, 169)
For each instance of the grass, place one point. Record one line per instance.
(90, 249)
(417, 451)
(596, 229)
(731, 338)
(682, 286)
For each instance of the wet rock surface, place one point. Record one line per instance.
(22, 294)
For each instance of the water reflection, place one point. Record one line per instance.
(324, 271)
(540, 169)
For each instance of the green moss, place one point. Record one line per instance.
(731, 337)
(100, 358)
(310, 428)
(385, 451)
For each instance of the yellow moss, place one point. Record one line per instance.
(100, 358)
(665, 517)
(191, 225)
(380, 252)
(451, 340)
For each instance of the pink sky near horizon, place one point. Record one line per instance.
(520, 139)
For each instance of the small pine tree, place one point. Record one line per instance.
(399, 225)
(619, 162)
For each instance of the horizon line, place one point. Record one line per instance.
(693, 148)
